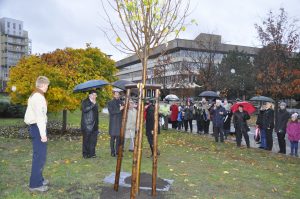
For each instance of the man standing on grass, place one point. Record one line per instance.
(36, 118)
(89, 125)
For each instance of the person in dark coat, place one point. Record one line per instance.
(240, 118)
(280, 126)
(188, 116)
(115, 108)
(150, 125)
(268, 124)
(218, 115)
(262, 129)
(89, 125)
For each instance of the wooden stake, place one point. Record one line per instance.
(154, 166)
(121, 144)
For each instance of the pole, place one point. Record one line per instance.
(154, 166)
(136, 144)
(121, 144)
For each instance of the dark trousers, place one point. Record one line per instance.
(174, 124)
(199, 126)
(114, 144)
(186, 123)
(281, 142)
(150, 141)
(206, 126)
(294, 147)
(180, 125)
(38, 157)
(218, 132)
(239, 133)
(89, 142)
(269, 139)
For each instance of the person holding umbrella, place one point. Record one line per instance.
(89, 125)
(115, 107)
(240, 118)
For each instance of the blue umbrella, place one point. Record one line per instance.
(211, 94)
(88, 85)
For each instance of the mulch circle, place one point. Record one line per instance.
(146, 181)
(124, 193)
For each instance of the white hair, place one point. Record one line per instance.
(42, 80)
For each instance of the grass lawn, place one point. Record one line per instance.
(199, 167)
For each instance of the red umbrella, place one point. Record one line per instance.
(247, 107)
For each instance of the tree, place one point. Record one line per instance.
(280, 39)
(146, 25)
(236, 72)
(65, 68)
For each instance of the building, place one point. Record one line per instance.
(14, 44)
(173, 64)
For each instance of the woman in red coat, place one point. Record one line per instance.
(174, 115)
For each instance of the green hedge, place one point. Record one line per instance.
(11, 110)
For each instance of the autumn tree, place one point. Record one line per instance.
(280, 39)
(65, 68)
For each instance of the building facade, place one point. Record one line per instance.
(14, 44)
(174, 65)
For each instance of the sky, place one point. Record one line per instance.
(56, 24)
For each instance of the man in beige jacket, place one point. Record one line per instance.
(36, 118)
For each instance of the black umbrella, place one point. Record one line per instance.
(88, 85)
(122, 83)
(262, 99)
(209, 94)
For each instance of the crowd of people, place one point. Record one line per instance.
(181, 116)
(221, 116)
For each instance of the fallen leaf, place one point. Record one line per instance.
(226, 172)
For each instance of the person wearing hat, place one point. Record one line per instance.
(293, 131)
(115, 108)
(89, 125)
(281, 121)
(240, 118)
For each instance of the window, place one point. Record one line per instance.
(20, 27)
(8, 24)
(14, 26)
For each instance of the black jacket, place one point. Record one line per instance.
(240, 120)
(281, 122)
(89, 117)
(268, 119)
(260, 117)
(150, 112)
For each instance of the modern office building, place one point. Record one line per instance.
(174, 64)
(14, 44)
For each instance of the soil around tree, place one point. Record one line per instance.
(146, 181)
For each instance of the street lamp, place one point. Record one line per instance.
(242, 82)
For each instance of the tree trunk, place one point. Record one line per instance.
(64, 122)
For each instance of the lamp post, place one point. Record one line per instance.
(241, 81)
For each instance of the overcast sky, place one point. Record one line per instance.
(56, 24)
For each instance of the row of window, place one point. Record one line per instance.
(14, 25)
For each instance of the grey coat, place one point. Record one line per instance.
(115, 117)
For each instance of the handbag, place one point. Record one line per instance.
(257, 135)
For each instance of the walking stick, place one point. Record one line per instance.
(121, 144)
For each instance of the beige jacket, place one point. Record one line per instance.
(131, 123)
(36, 112)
